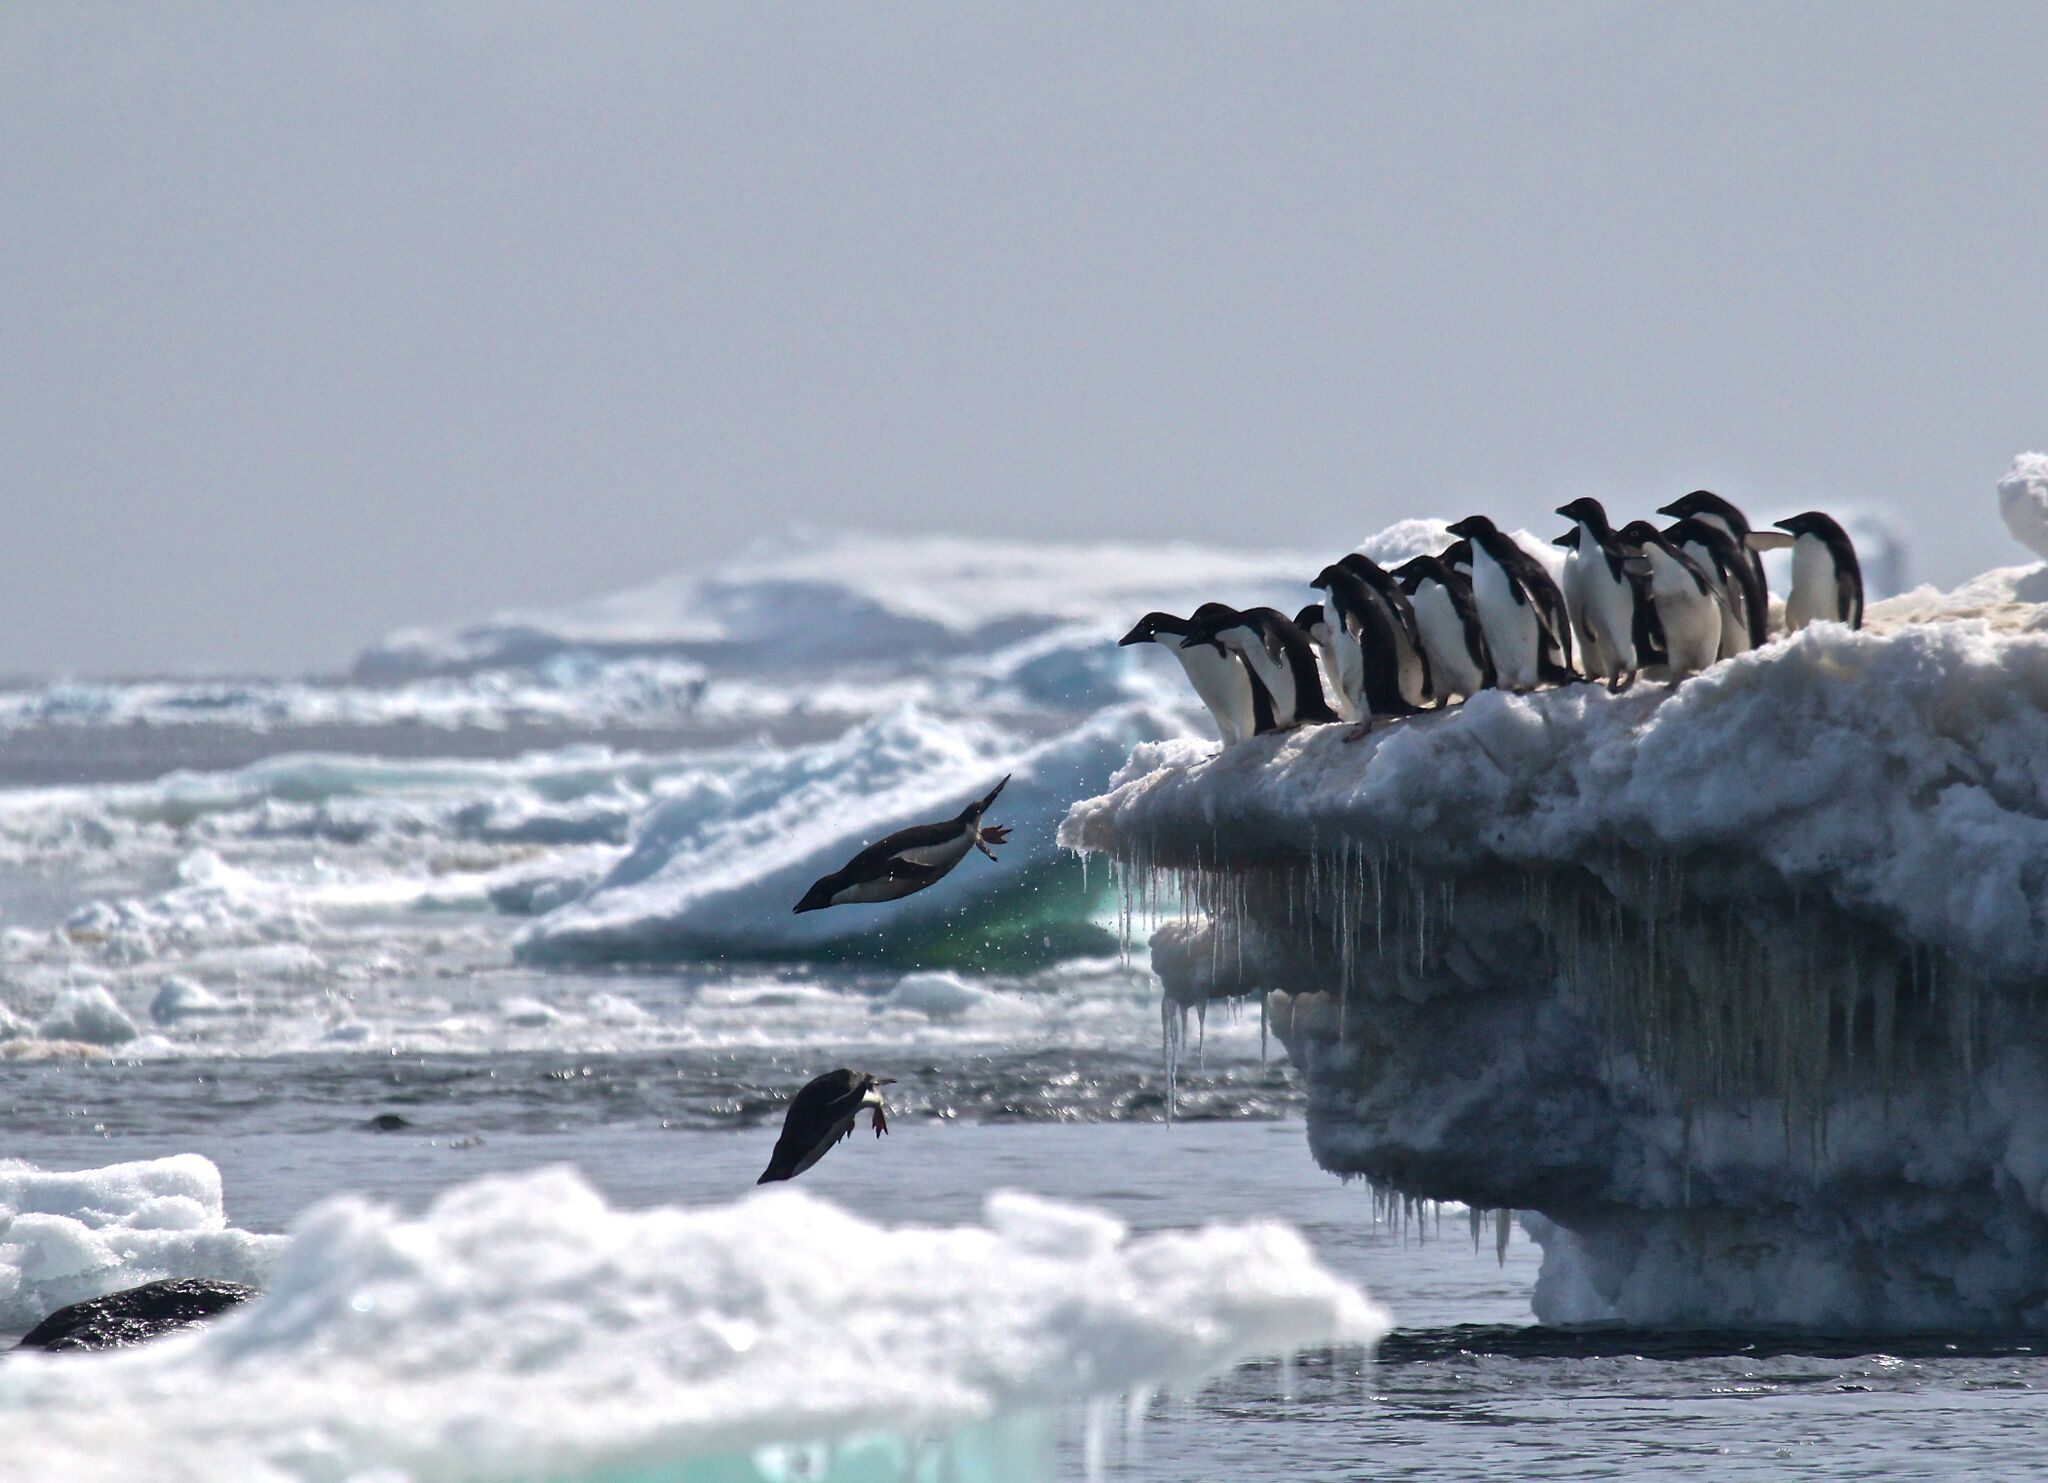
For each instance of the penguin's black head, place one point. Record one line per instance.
(822, 891)
(1411, 572)
(1324, 578)
(1310, 618)
(1705, 502)
(1473, 525)
(1210, 619)
(1814, 523)
(1569, 540)
(1585, 509)
(1640, 533)
(1151, 626)
(1458, 553)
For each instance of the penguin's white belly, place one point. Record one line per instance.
(1410, 674)
(1349, 679)
(885, 888)
(1224, 687)
(1278, 677)
(1692, 626)
(1814, 598)
(1443, 639)
(945, 855)
(1333, 671)
(1593, 657)
(1512, 631)
(1610, 615)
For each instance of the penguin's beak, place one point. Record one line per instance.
(885, 1081)
(1135, 636)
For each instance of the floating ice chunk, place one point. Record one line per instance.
(940, 995)
(526, 1013)
(69, 1236)
(181, 999)
(88, 1015)
(523, 1328)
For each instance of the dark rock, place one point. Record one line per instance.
(136, 1314)
(387, 1122)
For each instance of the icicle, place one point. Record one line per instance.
(1503, 1227)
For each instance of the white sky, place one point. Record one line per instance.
(321, 320)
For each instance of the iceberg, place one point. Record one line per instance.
(1734, 987)
(522, 1328)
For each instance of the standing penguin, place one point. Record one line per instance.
(1689, 608)
(1705, 505)
(907, 861)
(1730, 567)
(1411, 663)
(1448, 625)
(1314, 620)
(1528, 631)
(1827, 581)
(823, 1113)
(1362, 633)
(1602, 596)
(1220, 679)
(1277, 653)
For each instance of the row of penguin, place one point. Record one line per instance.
(1484, 613)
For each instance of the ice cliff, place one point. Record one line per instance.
(1734, 987)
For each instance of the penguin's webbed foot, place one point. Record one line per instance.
(1617, 684)
(990, 834)
(1359, 732)
(879, 1120)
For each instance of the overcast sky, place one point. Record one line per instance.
(321, 320)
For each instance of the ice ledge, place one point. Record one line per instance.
(1735, 985)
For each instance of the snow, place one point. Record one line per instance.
(88, 1015)
(1732, 983)
(522, 1327)
(65, 1237)
(2023, 501)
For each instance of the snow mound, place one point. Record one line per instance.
(521, 1327)
(717, 869)
(68, 1237)
(2023, 501)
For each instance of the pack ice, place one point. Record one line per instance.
(521, 1328)
(1734, 988)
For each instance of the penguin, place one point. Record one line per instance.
(1689, 607)
(1827, 581)
(1602, 596)
(1448, 625)
(1314, 620)
(907, 861)
(1369, 652)
(820, 1115)
(1277, 653)
(1727, 564)
(1412, 663)
(1755, 607)
(1528, 631)
(1220, 679)
(1458, 557)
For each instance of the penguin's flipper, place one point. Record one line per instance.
(916, 875)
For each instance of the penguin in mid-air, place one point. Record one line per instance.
(820, 1115)
(1602, 594)
(1690, 608)
(1827, 580)
(1730, 566)
(1448, 625)
(1755, 606)
(1220, 679)
(907, 861)
(1528, 631)
(1411, 663)
(1278, 654)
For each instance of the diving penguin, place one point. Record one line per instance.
(1827, 580)
(1278, 654)
(1220, 679)
(907, 861)
(1602, 596)
(820, 1115)
(1528, 631)
(1755, 606)
(1448, 625)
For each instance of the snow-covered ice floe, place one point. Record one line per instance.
(65, 1237)
(1736, 985)
(523, 1329)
